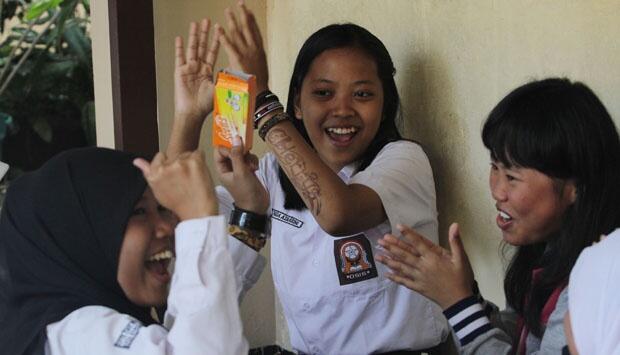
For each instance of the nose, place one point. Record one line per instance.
(343, 105)
(164, 225)
(498, 187)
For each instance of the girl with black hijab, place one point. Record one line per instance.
(84, 251)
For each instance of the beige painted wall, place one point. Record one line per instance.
(454, 61)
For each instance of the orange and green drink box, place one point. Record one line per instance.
(233, 108)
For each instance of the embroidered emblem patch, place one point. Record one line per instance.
(283, 217)
(128, 334)
(354, 260)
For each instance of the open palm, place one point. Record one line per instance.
(193, 74)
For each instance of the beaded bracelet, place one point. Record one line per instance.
(265, 110)
(264, 97)
(274, 120)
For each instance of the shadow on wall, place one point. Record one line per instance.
(431, 119)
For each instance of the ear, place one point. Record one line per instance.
(298, 114)
(570, 189)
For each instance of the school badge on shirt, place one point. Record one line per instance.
(354, 260)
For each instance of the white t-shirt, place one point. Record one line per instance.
(202, 315)
(335, 297)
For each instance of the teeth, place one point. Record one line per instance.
(505, 216)
(342, 130)
(166, 254)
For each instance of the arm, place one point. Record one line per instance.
(193, 87)
(201, 303)
(446, 278)
(202, 314)
(340, 209)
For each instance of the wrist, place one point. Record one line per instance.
(251, 206)
(199, 212)
(454, 298)
(189, 119)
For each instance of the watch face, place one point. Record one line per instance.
(4, 167)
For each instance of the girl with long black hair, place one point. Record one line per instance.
(555, 167)
(338, 177)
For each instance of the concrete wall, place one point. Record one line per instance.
(455, 60)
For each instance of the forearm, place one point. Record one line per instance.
(184, 137)
(338, 208)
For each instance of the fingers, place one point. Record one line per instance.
(221, 157)
(179, 58)
(237, 157)
(231, 50)
(421, 244)
(203, 39)
(143, 165)
(403, 280)
(192, 42)
(234, 28)
(214, 49)
(158, 161)
(246, 26)
(252, 161)
(399, 250)
(257, 39)
(456, 244)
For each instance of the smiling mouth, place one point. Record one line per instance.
(158, 264)
(504, 220)
(341, 135)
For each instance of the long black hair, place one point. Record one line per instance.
(343, 36)
(561, 129)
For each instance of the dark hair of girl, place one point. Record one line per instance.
(342, 36)
(561, 129)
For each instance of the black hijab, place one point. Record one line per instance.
(61, 230)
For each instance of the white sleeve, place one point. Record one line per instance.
(402, 177)
(202, 303)
(249, 264)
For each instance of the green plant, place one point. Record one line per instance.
(46, 80)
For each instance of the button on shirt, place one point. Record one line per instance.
(327, 316)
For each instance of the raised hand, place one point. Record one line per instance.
(183, 185)
(193, 74)
(443, 276)
(236, 172)
(243, 45)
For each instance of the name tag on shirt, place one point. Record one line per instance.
(129, 333)
(354, 260)
(283, 217)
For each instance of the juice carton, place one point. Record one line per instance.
(233, 108)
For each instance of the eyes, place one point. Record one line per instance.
(141, 210)
(507, 172)
(328, 93)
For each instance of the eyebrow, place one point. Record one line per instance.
(358, 82)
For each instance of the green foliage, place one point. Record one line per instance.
(50, 98)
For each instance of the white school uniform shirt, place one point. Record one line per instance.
(335, 297)
(202, 315)
(593, 298)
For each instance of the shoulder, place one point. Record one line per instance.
(97, 326)
(402, 152)
(92, 316)
(401, 160)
